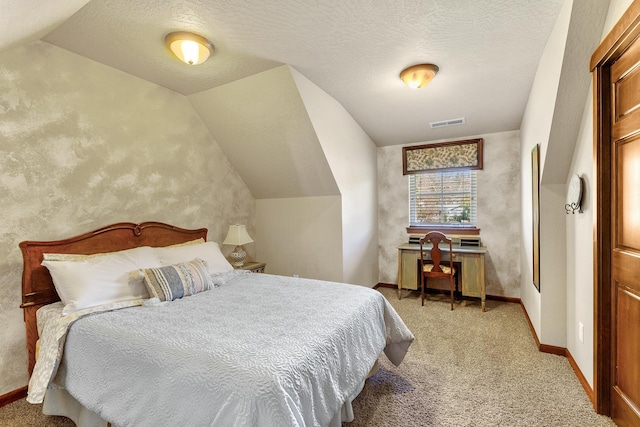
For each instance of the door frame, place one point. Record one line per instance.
(626, 30)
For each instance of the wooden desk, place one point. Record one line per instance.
(470, 278)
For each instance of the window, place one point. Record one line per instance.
(443, 199)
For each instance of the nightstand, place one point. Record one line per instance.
(254, 267)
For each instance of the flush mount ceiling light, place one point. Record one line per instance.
(190, 48)
(418, 76)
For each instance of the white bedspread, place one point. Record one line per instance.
(260, 350)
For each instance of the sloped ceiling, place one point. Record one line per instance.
(487, 52)
(24, 21)
(262, 126)
(584, 34)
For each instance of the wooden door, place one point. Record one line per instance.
(625, 261)
(616, 68)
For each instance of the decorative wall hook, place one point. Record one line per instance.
(574, 195)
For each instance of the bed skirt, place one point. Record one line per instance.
(57, 401)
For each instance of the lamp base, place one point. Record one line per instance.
(237, 257)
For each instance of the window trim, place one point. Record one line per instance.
(466, 231)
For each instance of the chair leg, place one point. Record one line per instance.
(422, 289)
(451, 288)
(455, 277)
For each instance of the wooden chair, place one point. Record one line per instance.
(438, 269)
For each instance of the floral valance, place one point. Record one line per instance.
(442, 156)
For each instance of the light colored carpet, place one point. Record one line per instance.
(466, 368)
(23, 414)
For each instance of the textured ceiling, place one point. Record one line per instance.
(487, 51)
(23, 21)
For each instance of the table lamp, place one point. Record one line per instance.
(237, 236)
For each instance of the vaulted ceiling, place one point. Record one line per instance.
(487, 51)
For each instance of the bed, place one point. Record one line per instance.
(236, 349)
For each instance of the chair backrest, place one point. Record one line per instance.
(435, 238)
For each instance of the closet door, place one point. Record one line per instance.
(625, 260)
(616, 69)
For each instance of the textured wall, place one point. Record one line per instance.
(498, 211)
(82, 146)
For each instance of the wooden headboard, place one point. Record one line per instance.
(37, 286)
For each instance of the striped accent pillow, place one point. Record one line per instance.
(178, 280)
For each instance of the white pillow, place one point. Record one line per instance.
(82, 257)
(208, 251)
(102, 279)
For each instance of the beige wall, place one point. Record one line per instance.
(352, 157)
(535, 129)
(300, 236)
(498, 211)
(82, 146)
(299, 152)
(552, 119)
(579, 232)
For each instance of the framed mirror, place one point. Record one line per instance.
(535, 205)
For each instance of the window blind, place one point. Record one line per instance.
(443, 198)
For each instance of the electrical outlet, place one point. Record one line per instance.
(580, 331)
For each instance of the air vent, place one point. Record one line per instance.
(415, 240)
(446, 123)
(460, 241)
(470, 241)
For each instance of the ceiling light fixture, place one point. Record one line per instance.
(418, 76)
(190, 48)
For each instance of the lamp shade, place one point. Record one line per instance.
(237, 236)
